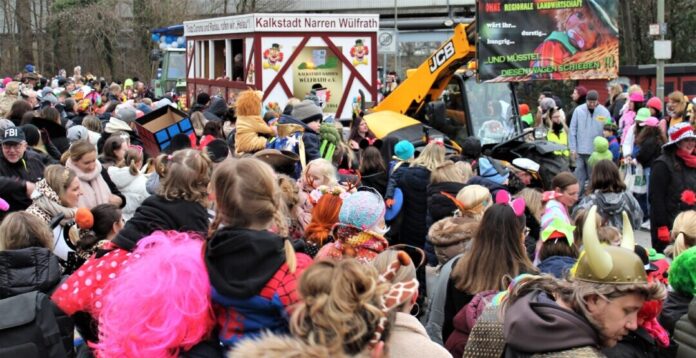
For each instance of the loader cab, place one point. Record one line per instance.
(487, 111)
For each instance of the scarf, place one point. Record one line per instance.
(46, 204)
(687, 157)
(95, 191)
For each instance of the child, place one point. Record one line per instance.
(253, 272)
(319, 172)
(609, 235)
(324, 217)
(180, 202)
(610, 135)
(601, 151)
(252, 131)
(130, 181)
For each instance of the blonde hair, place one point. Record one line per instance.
(59, 178)
(20, 230)
(326, 171)
(77, 150)
(532, 199)
(340, 307)
(466, 169)
(475, 199)
(608, 235)
(684, 232)
(247, 194)
(92, 123)
(131, 160)
(614, 90)
(447, 171)
(185, 175)
(432, 155)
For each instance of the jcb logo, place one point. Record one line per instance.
(441, 56)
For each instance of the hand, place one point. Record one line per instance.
(30, 188)
(115, 200)
(663, 234)
(389, 202)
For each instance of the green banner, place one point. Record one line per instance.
(542, 39)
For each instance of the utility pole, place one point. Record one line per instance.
(661, 62)
(397, 68)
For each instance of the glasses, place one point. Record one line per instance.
(12, 146)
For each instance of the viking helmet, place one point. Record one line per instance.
(609, 264)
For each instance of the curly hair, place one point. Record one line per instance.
(248, 104)
(340, 306)
(185, 175)
(324, 216)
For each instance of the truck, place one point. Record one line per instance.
(330, 56)
(168, 59)
(442, 98)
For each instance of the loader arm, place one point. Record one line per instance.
(429, 80)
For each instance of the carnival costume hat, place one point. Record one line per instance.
(679, 132)
(609, 264)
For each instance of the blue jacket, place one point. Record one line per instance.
(311, 139)
(614, 147)
(584, 127)
(558, 266)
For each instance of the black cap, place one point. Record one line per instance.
(13, 135)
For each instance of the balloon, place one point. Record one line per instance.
(163, 46)
(170, 39)
(180, 40)
(163, 39)
(173, 45)
(156, 37)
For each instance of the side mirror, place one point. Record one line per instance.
(540, 132)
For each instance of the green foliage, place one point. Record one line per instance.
(62, 5)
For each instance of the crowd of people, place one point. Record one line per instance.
(267, 232)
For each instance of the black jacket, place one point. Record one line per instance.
(56, 132)
(413, 182)
(440, 206)
(158, 213)
(13, 178)
(668, 179)
(675, 306)
(311, 139)
(636, 343)
(377, 181)
(216, 111)
(649, 151)
(34, 269)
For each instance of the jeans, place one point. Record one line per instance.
(582, 172)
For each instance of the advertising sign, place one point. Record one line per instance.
(542, 39)
(319, 66)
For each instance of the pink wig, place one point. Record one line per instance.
(160, 303)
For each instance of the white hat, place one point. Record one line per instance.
(678, 132)
(526, 164)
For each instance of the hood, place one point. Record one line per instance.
(557, 265)
(466, 318)
(217, 107)
(450, 231)
(121, 176)
(275, 346)
(232, 253)
(601, 145)
(54, 129)
(536, 324)
(611, 203)
(25, 270)
(114, 125)
(288, 119)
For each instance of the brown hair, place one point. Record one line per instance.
(20, 230)
(563, 180)
(111, 145)
(497, 251)
(131, 159)
(533, 201)
(608, 234)
(51, 114)
(105, 216)
(683, 232)
(92, 123)
(606, 178)
(340, 307)
(557, 247)
(678, 97)
(371, 161)
(651, 132)
(185, 175)
(77, 150)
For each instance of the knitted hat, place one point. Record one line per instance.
(682, 273)
(581, 90)
(76, 133)
(636, 97)
(404, 150)
(655, 104)
(307, 111)
(362, 210)
(351, 242)
(489, 172)
(547, 103)
(679, 132)
(524, 109)
(642, 115)
(592, 95)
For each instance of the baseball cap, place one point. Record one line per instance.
(13, 135)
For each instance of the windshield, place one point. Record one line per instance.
(177, 65)
(490, 108)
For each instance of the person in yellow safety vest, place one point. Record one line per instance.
(558, 132)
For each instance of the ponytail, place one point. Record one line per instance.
(679, 245)
(131, 159)
(290, 258)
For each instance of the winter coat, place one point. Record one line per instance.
(584, 127)
(614, 148)
(611, 205)
(669, 177)
(536, 324)
(310, 138)
(286, 346)
(492, 186)
(464, 322)
(248, 304)
(414, 184)
(158, 213)
(34, 269)
(377, 181)
(217, 109)
(252, 134)
(440, 206)
(558, 266)
(28, 169)
(685, 332)
(14, 191)
(636, 343)
(455, 300)
(650, 150)
(437, 292)
(57, 133)
(132, 187)
(675, 306)
(452, 236)
(408, 339)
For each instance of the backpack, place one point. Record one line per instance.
(29, 328)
